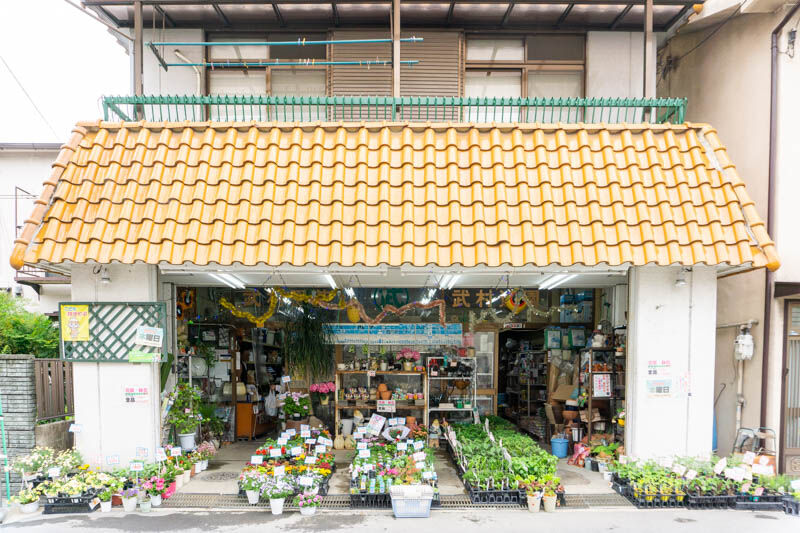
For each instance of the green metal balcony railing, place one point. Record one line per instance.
(407, 108)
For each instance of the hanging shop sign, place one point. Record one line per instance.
(415, 334)
(75, 323)
(140, 356)
(659, 379)
(149, 336)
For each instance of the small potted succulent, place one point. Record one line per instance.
(28, 500)
(308, 503)
(277, 491)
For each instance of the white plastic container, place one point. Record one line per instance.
(411, 501)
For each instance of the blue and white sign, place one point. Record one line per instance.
(413, 334)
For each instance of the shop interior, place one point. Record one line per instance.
(552, 361)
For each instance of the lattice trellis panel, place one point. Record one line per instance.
(112, 328)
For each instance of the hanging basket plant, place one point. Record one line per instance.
(308, 345)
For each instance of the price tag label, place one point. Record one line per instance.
(759, 491)
(305, 433)
(297, 450)
(275, 452)
(418, 445)
(54, 472)
(763, 460)
(142, 452)
(95, 502)
(283, 441)
(691, 474)
(176, 451)
(256, 459)
(748, 458)
(427, 475)
(112, 459)
(720, 466)
(746, 487)
(419, 456)
(507, 456)
(324, 440)
(319, 448)
(420, 465)
(361, 446)
(286, 379)
(401, 421)
(311, 441)
(392, 422)
(161, 455)
(363, 454)
(371, 373)
(291, 432)
(75, 428)
(279, 471)
(402, 446)
(305, 427)
(679, 469)
(136, 466)
(666, 462)
(306, 481)
(491, 437)
(311, 459)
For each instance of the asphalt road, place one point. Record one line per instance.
(488, 521)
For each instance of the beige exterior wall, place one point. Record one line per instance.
(727, 83)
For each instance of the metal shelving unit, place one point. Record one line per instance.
(617, 391)
(372, 405)
(443, 380)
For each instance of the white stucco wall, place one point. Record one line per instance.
(614, 64)
(110, 427)
(673, 324)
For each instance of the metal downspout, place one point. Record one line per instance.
(773, 132)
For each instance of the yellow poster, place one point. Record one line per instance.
(75, 323)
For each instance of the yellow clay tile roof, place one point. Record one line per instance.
(394, 194)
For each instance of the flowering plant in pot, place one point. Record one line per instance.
(308, 503)
(105, 500)
(129, 499)
(28, 500)
(296, 405)
(252, 482)
(277, 490)
(206, 451)
(323, 391)
(155, 487)
(408, 357)
(184, 415)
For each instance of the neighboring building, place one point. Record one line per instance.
(22, 167)
(655, 207)
(722, 60)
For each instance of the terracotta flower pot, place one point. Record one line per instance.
(116, 500)
(382, 387)
(386, 395)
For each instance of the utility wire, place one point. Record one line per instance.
(19, 83)
(710, 35)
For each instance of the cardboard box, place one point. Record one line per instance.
(595, 415)
(563, 393)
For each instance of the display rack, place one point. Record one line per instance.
(443, 382)
(614, 393)
(527, 391)
(410, 406)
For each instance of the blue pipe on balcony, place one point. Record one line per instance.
(298, 42)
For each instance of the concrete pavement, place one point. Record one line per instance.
(563, 521)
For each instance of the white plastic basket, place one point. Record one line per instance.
(411, 501)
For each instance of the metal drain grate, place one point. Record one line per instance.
(588, 501)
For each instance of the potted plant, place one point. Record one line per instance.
(184, 415)
(385, 358)
(28, 500)
(145, 504)
(105, 500)
(251, 482)
(549, 498)
(155, 487)
(534, 497)
(408, 357)
(296, 406)
(178, 478)
(129, 499)
(307, 344)
(277, 491)
(308, 503)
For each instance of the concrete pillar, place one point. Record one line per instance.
(671, 342)
(110, 428)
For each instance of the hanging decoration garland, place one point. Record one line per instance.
(399, 311)
(259, 321)
(317, 298)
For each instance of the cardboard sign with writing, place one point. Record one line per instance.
(720, 466)
(275, 452)
(161, 455)
(363, 454)
(402, 446)
(311, 459)
(136, 466)
(279, 471)
(112, 459)
(419, 456)
(297, 450)
(361, 446)
(283, 441)
(256, 459)
(306, 481)
(305, 433)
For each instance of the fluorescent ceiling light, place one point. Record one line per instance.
(330, 280)
(453, 281)
(444, 280)
(222, 280)
(429, 297)
(559, 280)
(552, 281)
(501, 295)
(350, 292)
(237, 283)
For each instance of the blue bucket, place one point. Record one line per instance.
(559, 447)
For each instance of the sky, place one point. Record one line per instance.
(64, 60)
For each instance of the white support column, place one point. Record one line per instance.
(671, 340)
(110, 427)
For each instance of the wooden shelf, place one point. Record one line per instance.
(381, 372)
(375, 406)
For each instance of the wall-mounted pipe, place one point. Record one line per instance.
(197, 72)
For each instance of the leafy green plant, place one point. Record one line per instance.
(24, 332)
(183, 413)
(307, 349)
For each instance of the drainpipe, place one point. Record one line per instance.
(773, 133)
(195, 67)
